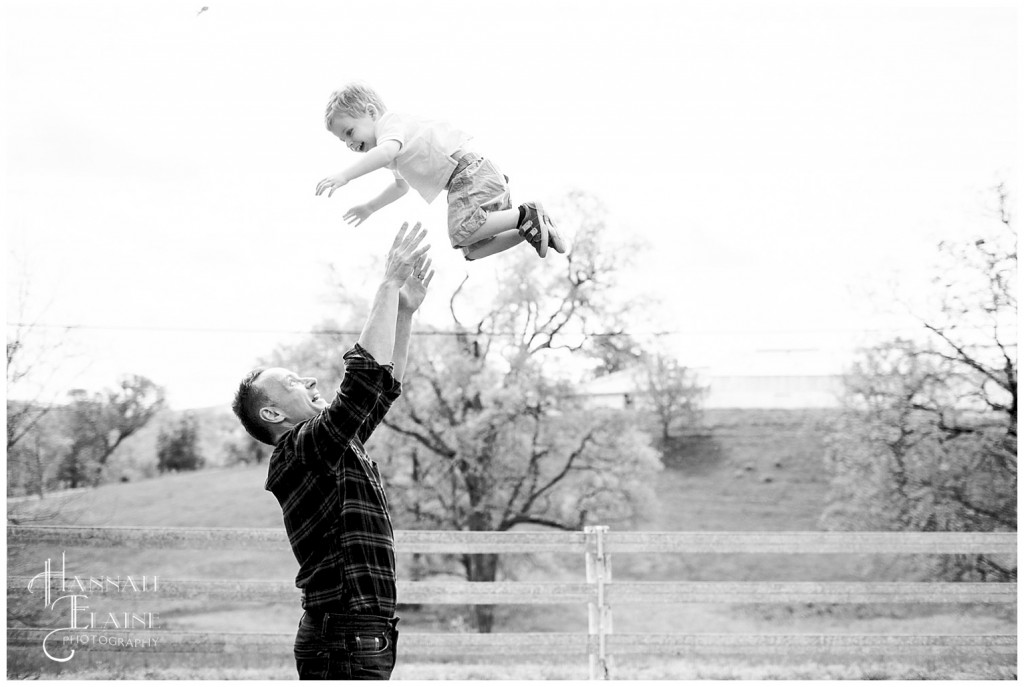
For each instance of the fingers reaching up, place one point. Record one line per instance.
(423, 271)
(405, 252)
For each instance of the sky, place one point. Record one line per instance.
(788, 166)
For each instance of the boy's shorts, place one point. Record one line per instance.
(476, 188)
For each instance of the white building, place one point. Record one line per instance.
(765, 379)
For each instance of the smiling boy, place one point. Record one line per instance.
(432, 156)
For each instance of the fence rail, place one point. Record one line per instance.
(429, 541)
(599, 591)
(579, 645)
(534, 593)
(812, 542)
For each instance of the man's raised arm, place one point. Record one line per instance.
(378, 335)
(410, 297)
(357, 408)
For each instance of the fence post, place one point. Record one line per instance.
(599, 573)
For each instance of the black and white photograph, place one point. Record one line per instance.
(538, 340)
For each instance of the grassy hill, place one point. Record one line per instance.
(744, 470)
(135, 459)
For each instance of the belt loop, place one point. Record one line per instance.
(323, 624)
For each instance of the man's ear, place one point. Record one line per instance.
(272, 415)
(371, 112)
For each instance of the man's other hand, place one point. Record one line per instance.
(414, 290)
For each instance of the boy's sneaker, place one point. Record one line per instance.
(534, 229)
(555, 239)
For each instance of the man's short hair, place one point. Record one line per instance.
(249, 399)
(352, 100)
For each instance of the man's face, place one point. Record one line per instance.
(355, 132)
(297, 398)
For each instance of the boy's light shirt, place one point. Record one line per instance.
(424, 159)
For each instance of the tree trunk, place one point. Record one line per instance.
(482, 567)
(39, 471)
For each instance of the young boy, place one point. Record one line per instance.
(433, 156)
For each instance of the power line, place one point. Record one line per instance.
(428, 332)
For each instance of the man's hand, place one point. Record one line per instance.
(357, 215)
(414, 290)
(405, 253)
(332, 183)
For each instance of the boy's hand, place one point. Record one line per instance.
(332, 183)
(405, 253)
(358, 214)
(414, 290)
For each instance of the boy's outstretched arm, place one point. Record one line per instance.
(360, 213)
(379, 156)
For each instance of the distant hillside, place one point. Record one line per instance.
(136, 458)
(778, 451)
(742, 470)
(746, 470)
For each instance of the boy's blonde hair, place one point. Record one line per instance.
(352, 100)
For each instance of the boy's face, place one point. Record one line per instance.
(355, 132)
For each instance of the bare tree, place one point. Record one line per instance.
(976, 325)
(929, 437)
(33, 360)
(36, 357)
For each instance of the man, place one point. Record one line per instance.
(335, 510)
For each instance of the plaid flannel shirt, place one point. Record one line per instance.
(335, 510)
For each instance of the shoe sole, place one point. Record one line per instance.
(555, 240)
(545, 233)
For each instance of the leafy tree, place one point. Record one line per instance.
(616, 351)
(245, 449)
(928, 440)
(99, 422)
(177, 447)
(31, 464)
(672, 392)
(489, 434)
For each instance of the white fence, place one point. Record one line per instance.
(599, 591)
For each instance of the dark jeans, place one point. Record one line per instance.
(332, 646)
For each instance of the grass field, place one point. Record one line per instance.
(648, 668)
(750, 471)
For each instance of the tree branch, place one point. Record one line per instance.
(561, 474)
(439, 448)
(965, 357)
(534, 520)
(957, 494)
(532, 467)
